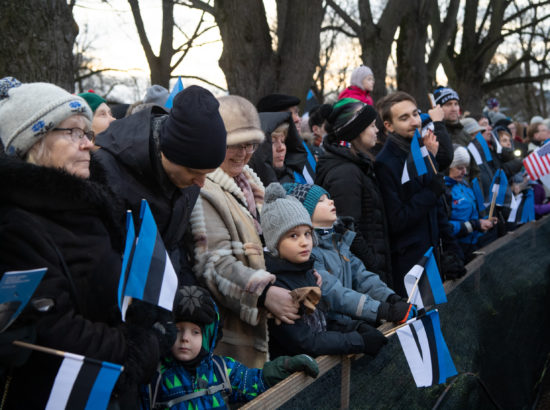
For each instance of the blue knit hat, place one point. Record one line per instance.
(308, 195)
(444, 94)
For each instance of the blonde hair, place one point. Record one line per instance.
(282, 129)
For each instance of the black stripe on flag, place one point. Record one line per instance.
(424, 286)
(156, 271)
(83, 385)
(416, 340)
(428, 326)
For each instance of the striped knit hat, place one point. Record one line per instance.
(308, 195)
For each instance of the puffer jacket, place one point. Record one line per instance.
(353, 185)
(349, 288)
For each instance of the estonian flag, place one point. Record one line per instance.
(83, 383)
(129, 249)
(499, 185)
(177, 88)
(522, 207)
(151, 276)
(480, 150)
(429, 291)
(415, 165)
(426, 351)
(478, 195)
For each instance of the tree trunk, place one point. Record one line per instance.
(251, 67)
(37, 41)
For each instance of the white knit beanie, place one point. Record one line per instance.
(280, 213)
(460, 157)
(241, 120)
(358, 75)
(29, 111)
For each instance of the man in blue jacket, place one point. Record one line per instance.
(415, 210)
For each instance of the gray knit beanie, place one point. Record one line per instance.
(280, 213)
(156, 94)
(29, 111)
(359, 74)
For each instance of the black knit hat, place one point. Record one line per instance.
(349, 118)
(194, 135)
(276, 102)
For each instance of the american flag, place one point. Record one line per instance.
(537, 163)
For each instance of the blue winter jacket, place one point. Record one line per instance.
(176, 381)
(351, 290)
(464, 217)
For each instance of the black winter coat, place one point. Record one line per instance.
(416, 216)
(308, 334)
(130, 156)
(353, 186)
(48, 216)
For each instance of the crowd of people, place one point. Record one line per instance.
(290, 236)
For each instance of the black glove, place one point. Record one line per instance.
(394, 298)
(283, 366)
(452, 266)
(437, 185)
(372, 338)
(194, 304)
(398, 312)
(344, 223)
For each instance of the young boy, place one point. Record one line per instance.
(350, 289)
(193, 377)
(288, 234)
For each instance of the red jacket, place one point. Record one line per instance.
(357, 93)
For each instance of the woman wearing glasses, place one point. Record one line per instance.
(53, 216)
(228, 249)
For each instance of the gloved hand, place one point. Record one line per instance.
(194, 302)
(437, 185)
(394, 298)
(372, 338)
(166, 334)
(398, 312)
(344, 223)
(452, 266)
(283, 366)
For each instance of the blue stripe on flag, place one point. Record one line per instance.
(103, 386)
(129, 249)
(417, 154)
(432, 347)
(484, 146)
(528, 211)
(446, 366)
(432, 272)
(310, 157)
(177, 88)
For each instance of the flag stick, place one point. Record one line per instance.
(414, 289)
(432, 164)
(432, 103)
(395, 329)
(493, 202)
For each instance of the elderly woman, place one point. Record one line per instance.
(102, 113)
(467, 225)
(228, 249)
(54, 217)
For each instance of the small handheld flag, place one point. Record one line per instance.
(522, 207)
(480, 150)
(423, 283)
(426, 351)
(415, 165)
(177, 88)
(499, 186)
(151, 276)
(129, 249)
(537, 163)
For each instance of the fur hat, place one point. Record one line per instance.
(349, 118)
(241, 120)
(460, 157)
(277, 102)
(29, 111)
(307, 194)
(193, 135)
(359, 74)
(444, 94)
(93, 99)
(471, 126)
(156, 94)
(280, 213)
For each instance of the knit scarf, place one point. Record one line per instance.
(246, 189)
(402, 142)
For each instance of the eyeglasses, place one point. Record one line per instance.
(77, 134)
(249, 148)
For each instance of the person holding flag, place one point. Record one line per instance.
(416, 217)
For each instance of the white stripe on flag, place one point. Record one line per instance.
(514, 205)
(424, 151)
(169, 285)
(496, 187)
(420, 361)
(64, 381)
(475, 153)
(307, 176)
(410, 279)
(531, 167)
(405, 176)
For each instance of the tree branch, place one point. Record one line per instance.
(522, 11)
(345, 16)
(101, 70)
(198, 4)
(494, 84)
(338, 29)
(151, 57)
(194, 77)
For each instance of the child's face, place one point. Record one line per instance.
(189, 341)
(368, 83)
(324, 214)
(295, 245)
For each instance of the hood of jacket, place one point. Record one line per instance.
(335, 156)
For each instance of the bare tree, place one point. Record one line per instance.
(37, 41)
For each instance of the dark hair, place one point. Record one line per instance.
(318, 115)
(532, 129)
(384, 105)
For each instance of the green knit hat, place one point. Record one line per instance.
(93, 100)
(307, 194)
